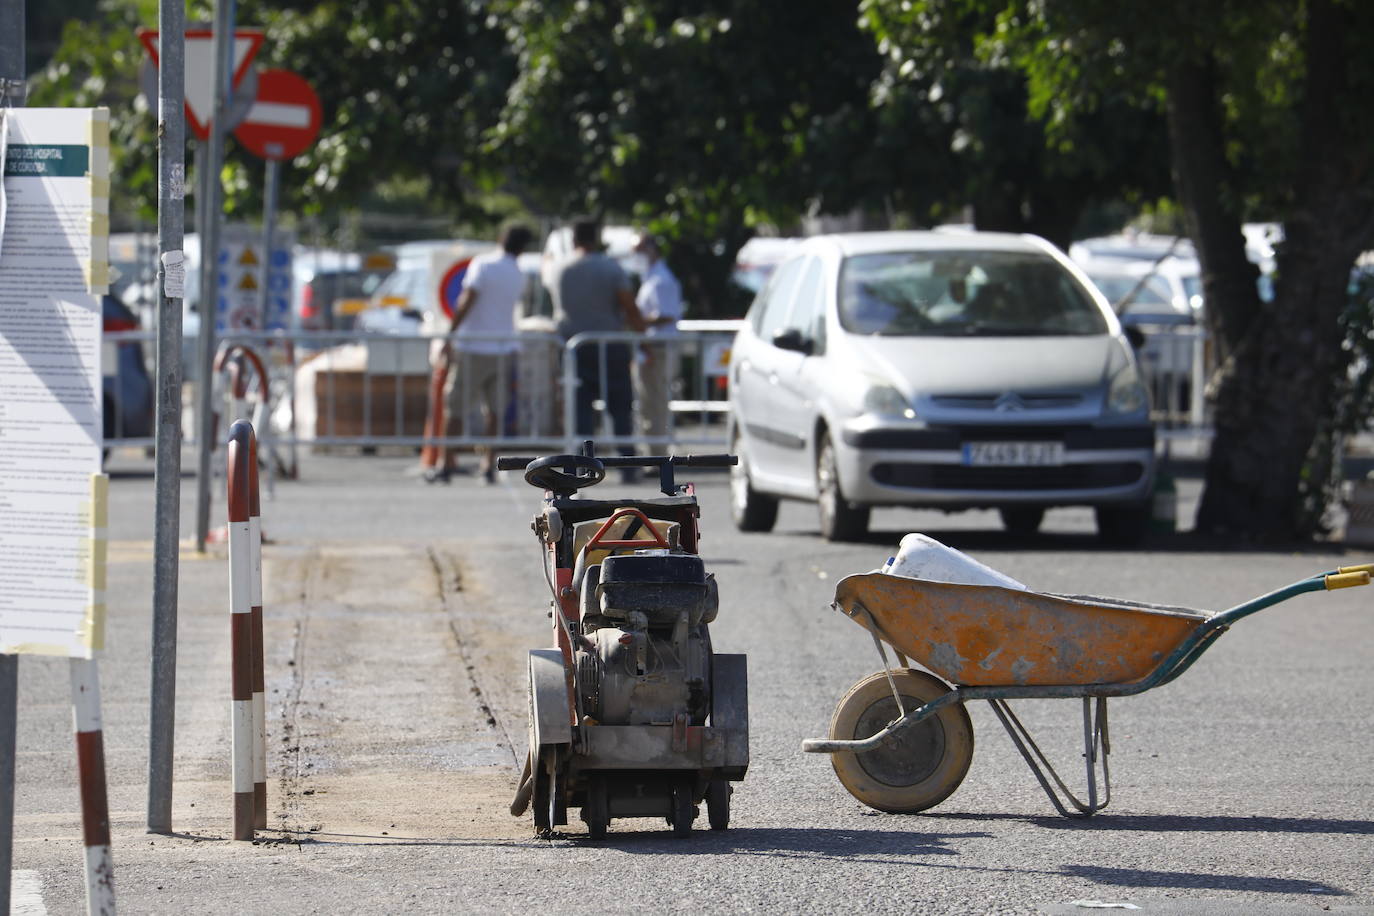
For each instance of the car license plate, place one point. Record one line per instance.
(1013, 454)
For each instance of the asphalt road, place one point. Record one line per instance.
(398, 616)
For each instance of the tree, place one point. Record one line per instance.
(1265, 103)
(958, 125)
(408, 88)
(698, 120)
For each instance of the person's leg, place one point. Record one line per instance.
(654, 377)
(588, 359)
(489, 372)
(620, 394)
(453, 422)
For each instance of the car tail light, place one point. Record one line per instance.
(114, 325)
(308, 309)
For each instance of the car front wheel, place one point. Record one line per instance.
(841, 520)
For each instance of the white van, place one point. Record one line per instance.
(407, 301)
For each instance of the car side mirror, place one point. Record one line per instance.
(1135, 336)
(793, 339)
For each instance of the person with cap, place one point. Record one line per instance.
(659, 301)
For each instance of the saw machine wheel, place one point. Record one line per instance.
(596, 812)
(548, 790)
(684, 808)
(718, 793)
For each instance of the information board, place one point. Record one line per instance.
(54, 268)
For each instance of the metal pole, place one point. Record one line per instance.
(13, 78)
(271, 196)
(171, 216)
(9, 694)
(269, 219)
(209, 257)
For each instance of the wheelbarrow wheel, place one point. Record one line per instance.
(922, 765)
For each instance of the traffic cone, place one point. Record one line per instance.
(434, 421)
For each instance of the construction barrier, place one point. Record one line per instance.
(245, 607)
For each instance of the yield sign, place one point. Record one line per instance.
(285, 117)
(200, 69)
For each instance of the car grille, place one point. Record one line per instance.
(958, 477)
(946, 438)
(1008, 401)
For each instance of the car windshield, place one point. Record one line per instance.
(964, 294)
(1125, 291)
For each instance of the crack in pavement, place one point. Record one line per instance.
(450, 587)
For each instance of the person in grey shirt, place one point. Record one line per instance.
(591, 292)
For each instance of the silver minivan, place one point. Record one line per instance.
(945, 369)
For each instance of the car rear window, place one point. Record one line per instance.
(964, 294)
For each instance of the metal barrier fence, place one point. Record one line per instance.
(338, 389)
(1175, 362)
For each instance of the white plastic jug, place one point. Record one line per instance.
(921, 557)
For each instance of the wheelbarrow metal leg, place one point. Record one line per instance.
(1097, 746)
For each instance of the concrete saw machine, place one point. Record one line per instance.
(632, 714)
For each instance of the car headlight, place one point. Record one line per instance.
(884, 400)
(1127, 393)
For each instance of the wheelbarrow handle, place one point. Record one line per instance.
(1363, 567)
(1347, 579)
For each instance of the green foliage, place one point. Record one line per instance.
(699, 120)
(958, 87)
(97, 64)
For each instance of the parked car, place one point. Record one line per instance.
(332, 287)
(413, 287)
(758, 258)
(126, 389)
(945, 369)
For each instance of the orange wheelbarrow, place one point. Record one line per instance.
(901, 739)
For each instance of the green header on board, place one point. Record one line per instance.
(47, 160)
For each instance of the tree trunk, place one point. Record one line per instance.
(1277, 394)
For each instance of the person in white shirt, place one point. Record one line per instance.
(660, 303)
(481, 346)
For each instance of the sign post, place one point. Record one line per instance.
(282, 123)
(216, 64)
(171, 291)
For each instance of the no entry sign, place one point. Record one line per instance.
(284, 120)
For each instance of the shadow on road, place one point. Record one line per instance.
(825, 843)
(1170, 823)
(1132, 877)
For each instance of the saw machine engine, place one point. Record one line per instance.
(649, 659)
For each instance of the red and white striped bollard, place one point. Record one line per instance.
(95, 804)
(259, 672)
(240, 452)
